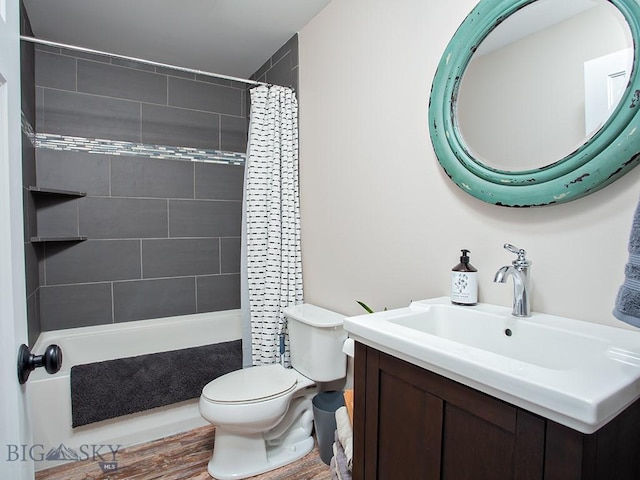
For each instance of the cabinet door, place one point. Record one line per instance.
(409, 429)
(413, 424)
(399, 434)
(476, 447)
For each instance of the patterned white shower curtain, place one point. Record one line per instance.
(271, 243)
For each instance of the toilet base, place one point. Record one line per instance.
(242, 456)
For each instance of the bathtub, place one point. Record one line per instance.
(49, 396)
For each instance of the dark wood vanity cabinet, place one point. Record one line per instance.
(414, 424)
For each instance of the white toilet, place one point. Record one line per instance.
(263, 415)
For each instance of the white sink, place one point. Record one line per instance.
(497, 332)
(579, 374)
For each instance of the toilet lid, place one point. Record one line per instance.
(250, 384)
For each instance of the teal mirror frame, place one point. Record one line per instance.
(609, 154)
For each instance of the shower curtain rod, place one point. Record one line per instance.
(141, 60)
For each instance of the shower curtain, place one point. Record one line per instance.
(271, 262)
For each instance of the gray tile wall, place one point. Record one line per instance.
(163, 234)
(33, 251)
(282, 67)
(154, 238)
(94, 97)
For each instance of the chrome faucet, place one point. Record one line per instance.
(519, 270)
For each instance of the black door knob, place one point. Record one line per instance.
(51, 360)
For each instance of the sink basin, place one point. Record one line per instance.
(501, 334)
(577, 373)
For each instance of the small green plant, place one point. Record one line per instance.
(367, 307)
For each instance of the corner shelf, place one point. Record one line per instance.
(79, 238)
(60, 193)
(55, 191)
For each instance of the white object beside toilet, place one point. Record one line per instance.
(263, 415)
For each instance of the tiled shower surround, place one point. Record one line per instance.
(28, 105)
(163, 234)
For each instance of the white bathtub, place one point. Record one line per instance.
(50, 395)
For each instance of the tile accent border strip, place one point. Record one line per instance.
(27, 129)
(115, 147)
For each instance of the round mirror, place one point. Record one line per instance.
(534, 102)
(572, 63)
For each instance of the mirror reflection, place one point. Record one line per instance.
(543, 82)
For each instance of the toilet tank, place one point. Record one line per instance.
(316, 336)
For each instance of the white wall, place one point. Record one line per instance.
(381, 222)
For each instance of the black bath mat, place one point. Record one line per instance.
(109, 389)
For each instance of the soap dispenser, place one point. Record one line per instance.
(464, 282)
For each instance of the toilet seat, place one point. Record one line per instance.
(251, 385)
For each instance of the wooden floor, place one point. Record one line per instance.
(182, 456)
